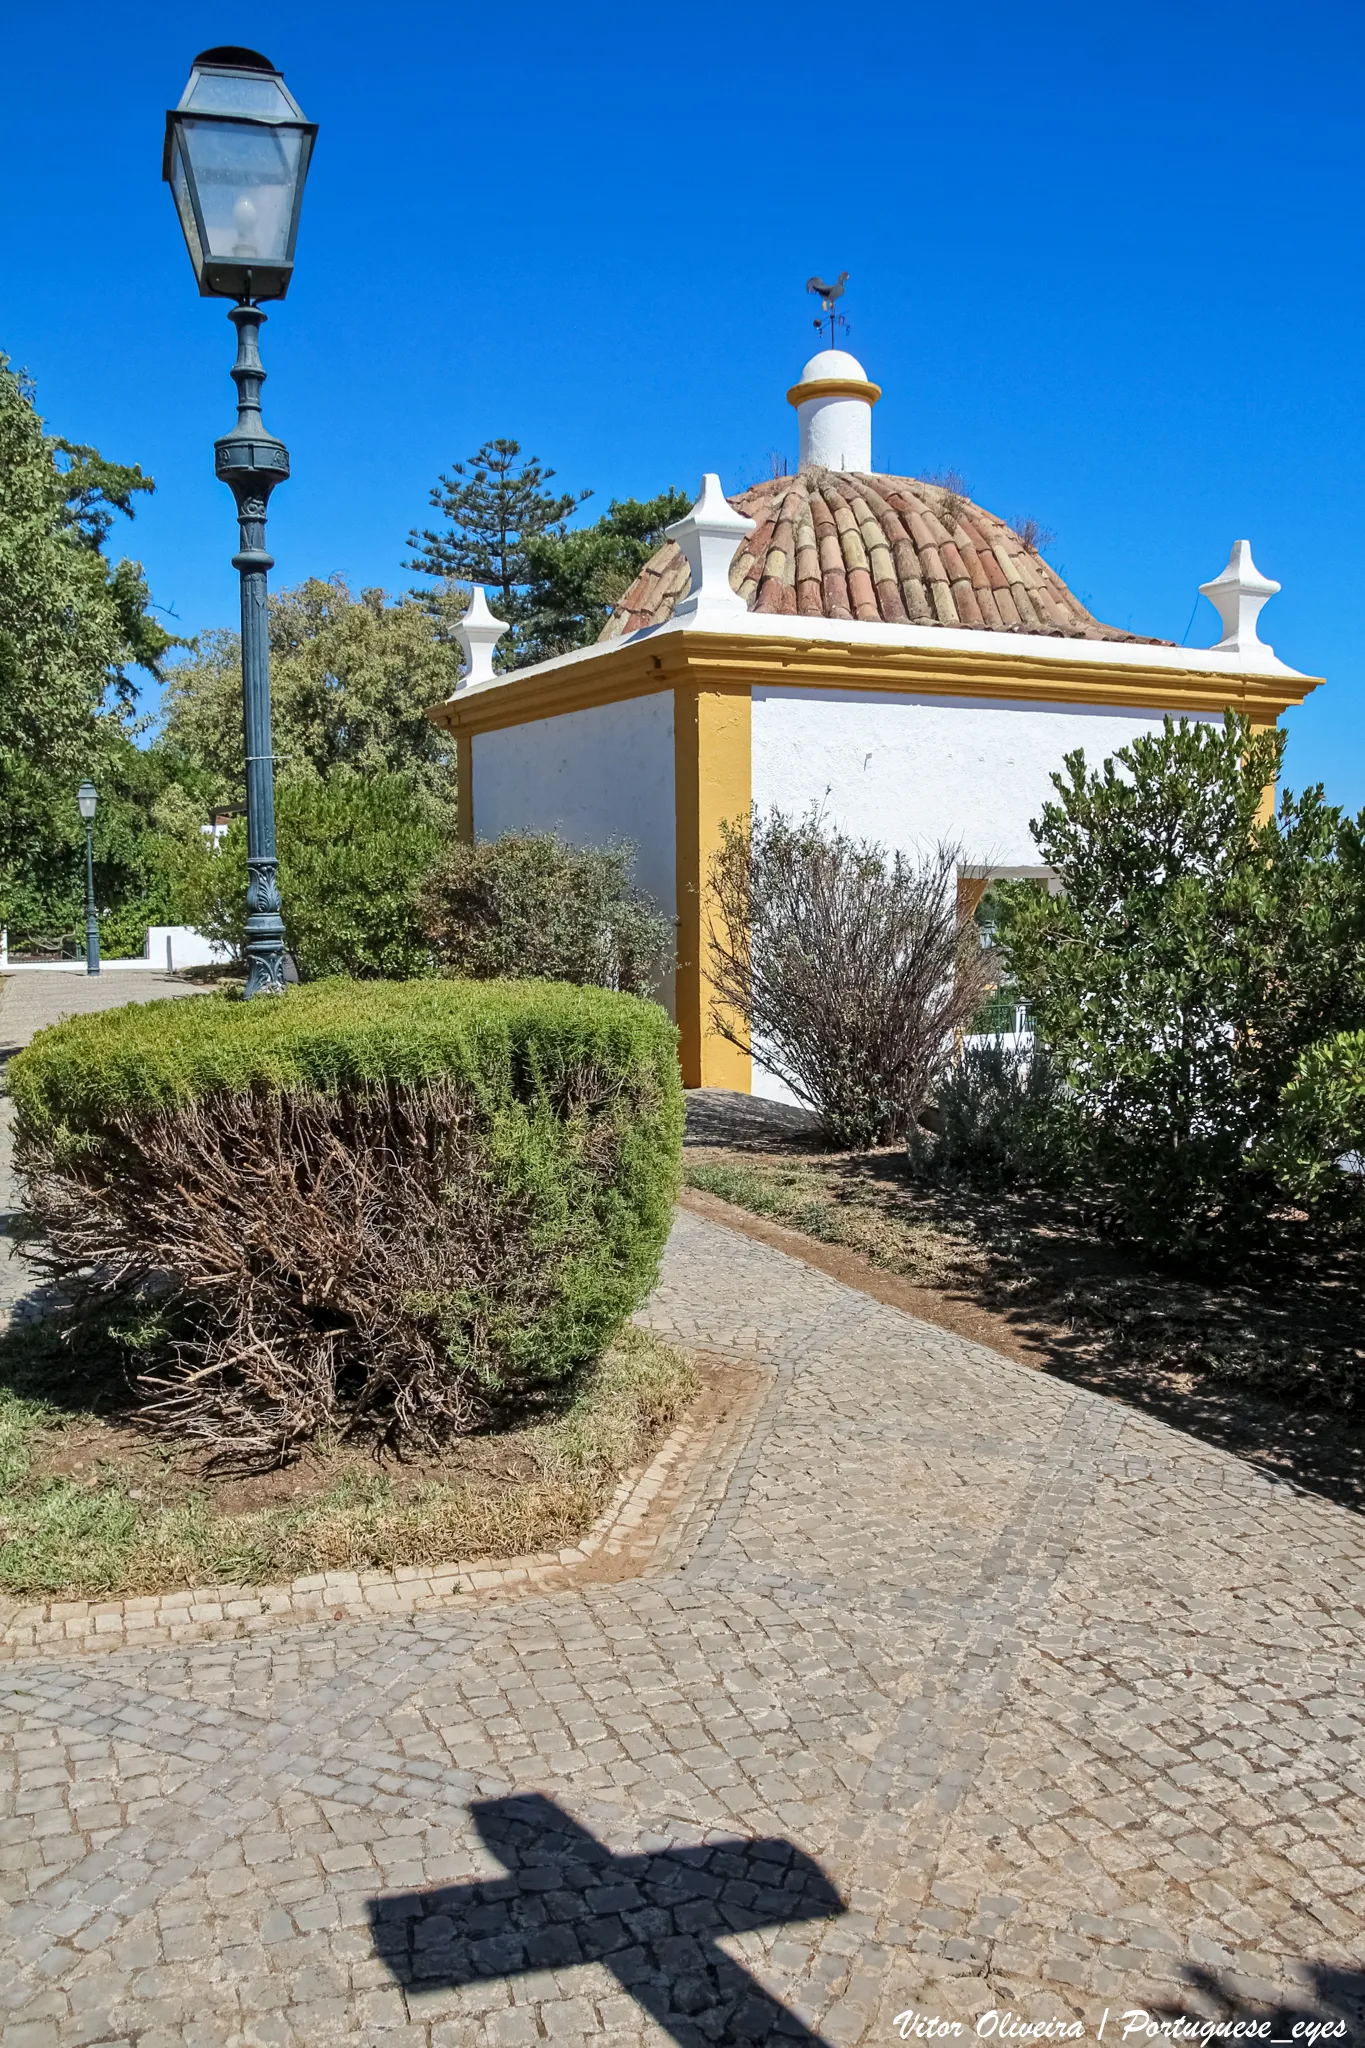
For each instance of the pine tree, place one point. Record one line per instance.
(495, 505)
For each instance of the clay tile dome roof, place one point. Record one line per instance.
(837, 544)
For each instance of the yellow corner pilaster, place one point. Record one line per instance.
(464, 787)
(713, 780)
(1269, 794)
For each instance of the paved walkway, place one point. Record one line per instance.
(28, 1002)
(961, 1691)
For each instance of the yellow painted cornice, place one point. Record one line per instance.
(834, 387)
(741, 661)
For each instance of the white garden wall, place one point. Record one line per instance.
(592, 777)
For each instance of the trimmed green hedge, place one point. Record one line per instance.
(330, 1035)
(395, 1203)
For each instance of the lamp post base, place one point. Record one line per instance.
(265, 972)
(264, 927)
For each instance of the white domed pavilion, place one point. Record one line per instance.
(877, 644)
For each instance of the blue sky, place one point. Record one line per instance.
(1105, 262)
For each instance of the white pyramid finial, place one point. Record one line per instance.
(708, 536)
(478, 634)
(1238, 595)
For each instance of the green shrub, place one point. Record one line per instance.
(1321, 1125)
(353, 850)
(527, 905)
(380, 1205)
(1192, 956)
(1001, 1117)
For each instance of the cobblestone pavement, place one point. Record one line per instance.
(960, 1690)
(28, 1002)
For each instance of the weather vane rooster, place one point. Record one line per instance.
(827, 294)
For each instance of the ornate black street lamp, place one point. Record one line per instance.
(237, 153)
(86, 800)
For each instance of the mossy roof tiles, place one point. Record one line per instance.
(830, 544)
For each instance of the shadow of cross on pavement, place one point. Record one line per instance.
(651, 1919)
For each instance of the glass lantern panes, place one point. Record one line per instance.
(178, 179)
(245, 178)
(258, 95)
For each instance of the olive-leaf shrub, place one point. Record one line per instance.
(1316, 1148)
(529, 905)
(1192, 954)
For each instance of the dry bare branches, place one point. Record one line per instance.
(354, 1261)
(847, 970)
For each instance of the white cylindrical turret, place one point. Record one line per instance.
(834, 402)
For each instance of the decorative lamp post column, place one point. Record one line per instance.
(236, 157)
(86, 800)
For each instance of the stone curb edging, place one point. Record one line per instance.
(59, 1627)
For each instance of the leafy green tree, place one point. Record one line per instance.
(1191, 957)
(577, 577)
(45, 900)
(72, 624)
(351, 679)
(353, 853)
(495, 506)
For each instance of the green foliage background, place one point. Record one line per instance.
(72, 625)
(576, 577)
(353, 850)
(351, 678)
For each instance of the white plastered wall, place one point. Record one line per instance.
(911, 771)
(593, 777)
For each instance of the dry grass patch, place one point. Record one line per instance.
(90, 1507)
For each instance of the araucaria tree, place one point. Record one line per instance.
(1192, 955)
(846, 970)
(494, 504)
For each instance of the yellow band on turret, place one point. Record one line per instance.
(833, 387)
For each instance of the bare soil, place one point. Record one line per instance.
(93, 1505)
(99, 1453)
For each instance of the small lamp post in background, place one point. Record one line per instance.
(236, 156)
(86, 800)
